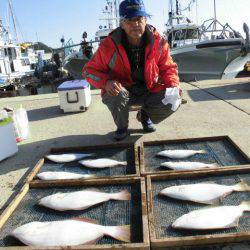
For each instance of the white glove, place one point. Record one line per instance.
(172, 96)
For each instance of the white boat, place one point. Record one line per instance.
(13, 65)
(75, 61)
(207, 51)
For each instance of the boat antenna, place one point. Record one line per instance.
(215, 16)
(197, 17)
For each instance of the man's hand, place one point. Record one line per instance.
(113, 88)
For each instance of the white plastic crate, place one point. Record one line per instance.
(8, 145)
(74, 96)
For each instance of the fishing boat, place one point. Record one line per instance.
(13, 64)
(208, 51)
(74, 62)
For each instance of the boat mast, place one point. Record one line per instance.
(117, 3)
(174, 14)
(177, 11)
(13, 19)
(171, 13)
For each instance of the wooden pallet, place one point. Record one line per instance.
(144, 168)
(169, 241)
(8, 212)
(41, 163)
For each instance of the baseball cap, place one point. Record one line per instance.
(132, 8)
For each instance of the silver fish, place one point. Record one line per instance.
(51, 176)
(81, 200)
(66, 233)
(102, 163)
(63, 158)
(188, 165)
(180, 153)
(206, 193)
(213, 217)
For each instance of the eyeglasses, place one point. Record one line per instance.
(139, 19)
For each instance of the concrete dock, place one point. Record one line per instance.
(214, 108)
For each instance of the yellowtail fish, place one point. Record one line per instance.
(64, 158)
(212, 218)
(180, 153)
(206, 193)
(102, 163)
(67, 233)
(188, 165)
(51, 176)
(81, 200)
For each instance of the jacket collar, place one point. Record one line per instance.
(116, 35)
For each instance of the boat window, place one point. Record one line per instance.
(14, 53)
(0, 69)
(23, 62)
(5, 52)
(185, 34)
(9, 53)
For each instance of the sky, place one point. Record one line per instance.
(48, 20)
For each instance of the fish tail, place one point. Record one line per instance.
(242, 186)
(202, 151)
(123, 163)
(121, 233)
(90, 155)
(245, 205)
(122, 196)
(88, 176)
(165, 164)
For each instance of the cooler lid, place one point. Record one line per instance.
(72, 85)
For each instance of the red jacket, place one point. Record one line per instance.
(110, 62)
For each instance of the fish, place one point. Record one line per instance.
(188, 165)
(65, 233)
(102, 163)
(64, 158)
(80, 200)
(180, 153)
(212, 218)
(51, 176)
(205, 193)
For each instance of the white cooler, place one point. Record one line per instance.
(74, 96)
(8, 145)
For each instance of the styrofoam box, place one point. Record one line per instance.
(74, 96)
(8, 145)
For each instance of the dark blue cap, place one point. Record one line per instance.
(132, 8)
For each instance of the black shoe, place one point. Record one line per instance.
(121, 134)
(147, 124)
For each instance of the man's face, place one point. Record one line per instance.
(134, 27)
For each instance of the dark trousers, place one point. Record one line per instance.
(151, 105)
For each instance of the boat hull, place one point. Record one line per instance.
(75, 66)
(205, 61)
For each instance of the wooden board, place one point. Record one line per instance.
(149, 164)
(132, 169)
(157, 239)
(140, 182)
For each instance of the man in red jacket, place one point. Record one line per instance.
(133, 66)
